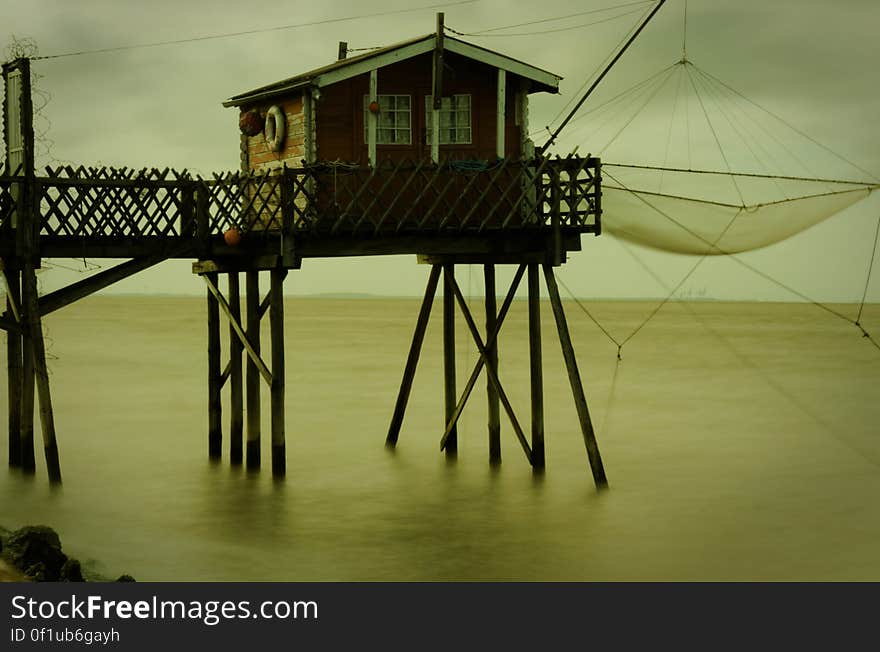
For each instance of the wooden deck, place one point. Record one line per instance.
(507, 208)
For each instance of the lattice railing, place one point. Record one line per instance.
(569, 190)
(323, 200)
(111, 202)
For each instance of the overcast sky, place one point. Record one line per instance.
(813, 62)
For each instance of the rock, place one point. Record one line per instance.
(36, 547)
(71, 571)
(126, 578)
(37, 572)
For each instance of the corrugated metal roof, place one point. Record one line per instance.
(306, 78)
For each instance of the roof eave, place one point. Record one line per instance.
(341, 70)
(255, 96)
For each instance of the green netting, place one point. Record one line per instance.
(688, 223)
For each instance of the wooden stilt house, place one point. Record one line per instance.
(380, 106)
(394, 141)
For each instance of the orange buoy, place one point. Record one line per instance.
(232, 237)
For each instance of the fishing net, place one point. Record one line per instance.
(708, 170)
(686, 212)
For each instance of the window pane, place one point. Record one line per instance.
(393, 123)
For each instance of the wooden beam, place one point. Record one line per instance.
(373, 118)
(496, 60)
(500, 117)
(536, 372)
(412, 359)
(449, 393)
(13, 367)
(494, 408)
(252, 378)
(9, 325)
(437, 77)
(215, 428)
(574, 378)
(358, 68)
(252, 350)
(13, 292)
(75, 291)
(276, 316)
(236, 393)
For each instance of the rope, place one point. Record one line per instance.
(588, 314)
(669, 129)
(868, 278)
(254, 31)
(547, 20)
(681, 282)
(750, 267)
(598, 69)
(715, 136)
(632, 89)
(552, 31)
(750, 207)
(768, 133)
(739, 174)
(795, 129)
(684, 34)
(638, 111)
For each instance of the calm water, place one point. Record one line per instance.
(741, 442)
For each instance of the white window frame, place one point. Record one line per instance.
(446, 109)
(394, 129)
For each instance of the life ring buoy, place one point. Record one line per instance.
(274, 130)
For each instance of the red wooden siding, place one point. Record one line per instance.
(340, 115)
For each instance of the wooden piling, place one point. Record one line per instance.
(26, 433)
(13, 367)
(215, 427)
(492, 395)
(536, 370)
(276, 317)
(574, 378)
(41, 372)
(236, 394)
(449, 392)
(252, 375)
(412, 360)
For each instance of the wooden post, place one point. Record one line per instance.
(556, 213)
(437, 90)
(491, 394)
(276, 316)
(412, 359)
(26, 434)
(41, 372)
(500, 116)
(574, 378)
(236, 403)
(13, 366)
(449, 355)
(373, 118)
(252, 377)
(215, 427)
(536, 372)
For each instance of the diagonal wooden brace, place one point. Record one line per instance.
(254, 356)
(490, 372)
(475, 374)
